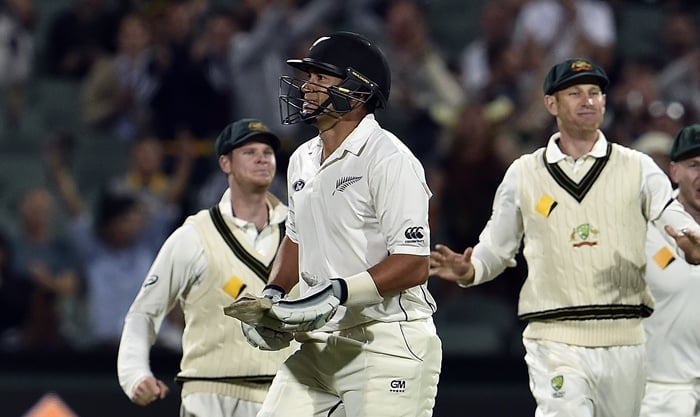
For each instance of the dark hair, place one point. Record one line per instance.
(111, 205)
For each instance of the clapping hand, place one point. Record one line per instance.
(688, 242)
(452, 266)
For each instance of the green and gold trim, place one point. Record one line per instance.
(578, 190)
(260, 269)
(594, 312)
(252, 379)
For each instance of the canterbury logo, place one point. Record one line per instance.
(345, 182)
(414, 233)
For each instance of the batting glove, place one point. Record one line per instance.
(306, 313)
(264, 338)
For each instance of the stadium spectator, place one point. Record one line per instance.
(77, 36)
(425, 95)
(116, 92)
(115, 244)
(47, 262)
(17, 23)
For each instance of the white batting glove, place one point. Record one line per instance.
(264, 338)
(306, 313)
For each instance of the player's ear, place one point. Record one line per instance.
(673, 172)
(550, 103)
(225, 163)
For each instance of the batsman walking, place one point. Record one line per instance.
(357, 230)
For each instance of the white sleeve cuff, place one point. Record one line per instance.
(133, 354)
(478, 278)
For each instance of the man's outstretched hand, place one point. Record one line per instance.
(452, 266)
(688, 242)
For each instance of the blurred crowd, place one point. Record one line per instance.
(163, 77)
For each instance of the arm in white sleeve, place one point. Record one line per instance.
(179, 263)
(499, 242)
(659, 205)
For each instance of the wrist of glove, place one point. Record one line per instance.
(356, 290)
(273, 292)
(264, 338)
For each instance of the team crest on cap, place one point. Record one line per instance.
(578, 66)
(257, 126)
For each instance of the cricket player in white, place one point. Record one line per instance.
(206, 264)
(357, 226)
(673, 330)
(580, 207)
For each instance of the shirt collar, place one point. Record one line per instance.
(353, 144)
(277, 212)
(553, 153)
(357, 139)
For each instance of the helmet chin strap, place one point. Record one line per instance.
(336, 119)
(337, 116)
(324, 108)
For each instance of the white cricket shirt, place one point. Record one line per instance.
(673, 329)
(367, 200)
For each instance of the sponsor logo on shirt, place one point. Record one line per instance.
(298, 185)
(344, 182)
(414, 234)
(397, 385)
(582, 235)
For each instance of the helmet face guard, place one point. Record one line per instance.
(342, 98)
(360, 64)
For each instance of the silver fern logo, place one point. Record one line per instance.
(344, 182)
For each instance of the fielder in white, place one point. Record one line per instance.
(357, 230)
(206, 264)
(580, 206)
(673, 330)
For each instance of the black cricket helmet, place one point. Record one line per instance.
(352, 57)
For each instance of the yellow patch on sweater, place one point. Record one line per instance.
(545, 205)
(234, 286)
(663, 257)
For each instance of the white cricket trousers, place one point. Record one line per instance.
(577, 381)
(202, 404)
(671, 400)
(376, 370)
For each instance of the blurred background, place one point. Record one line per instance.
(109, 108)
